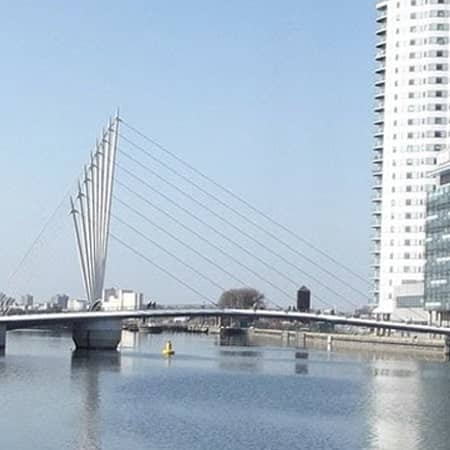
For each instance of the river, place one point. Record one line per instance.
(211, 396)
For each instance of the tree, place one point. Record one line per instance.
(243, 298)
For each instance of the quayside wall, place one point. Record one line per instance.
(412, 344)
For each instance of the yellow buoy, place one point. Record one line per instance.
(168, 349)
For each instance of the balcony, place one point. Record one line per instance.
(381, 55)
(376, 223)
(378, 145)
(379, 131)
(380, 81)
(379, 107)
(381, 68)
(382, 16)
(377, 169)
(376, 212)
(377, 157)
(381, 43)
(382, 30)
(377, 181)
(377, 195)
(382, 6)
(377, 199)
(379, 93)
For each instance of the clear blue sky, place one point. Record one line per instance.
(273, 99)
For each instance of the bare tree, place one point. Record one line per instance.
(243, 298)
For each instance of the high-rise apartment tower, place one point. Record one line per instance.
(411, 127)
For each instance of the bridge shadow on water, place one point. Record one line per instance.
(87, 368)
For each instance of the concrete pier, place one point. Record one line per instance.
(102, 334)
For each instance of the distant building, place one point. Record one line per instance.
(61, 300)
(121, 299)
(437, 244)
(27, 300)
(75, 304)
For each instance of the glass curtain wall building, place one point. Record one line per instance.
(411, 128)
(437, 268)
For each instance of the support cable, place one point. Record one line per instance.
(202, 238)
(168, 252)
(181, 261)
(203, 222)
(162, 269)
(39, 235)
(235, 211)
(247, 204)
(239, 230)
(201, 255)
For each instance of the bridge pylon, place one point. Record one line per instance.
(91, 211)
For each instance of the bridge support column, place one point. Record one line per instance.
(2, 339)
(99, 334)
(378, 331)
(447, 347)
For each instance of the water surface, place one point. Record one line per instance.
(215, 397)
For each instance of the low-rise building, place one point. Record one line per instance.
(76, 304)
(122, 299)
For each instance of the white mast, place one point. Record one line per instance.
(92, 221)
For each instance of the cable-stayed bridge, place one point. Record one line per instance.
(147, 199)
(160, 187)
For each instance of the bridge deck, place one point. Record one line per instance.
(30, 320)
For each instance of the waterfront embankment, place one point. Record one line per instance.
(413, 345)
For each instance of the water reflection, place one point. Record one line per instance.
(396, 393)
(301, 367)
(86, 370)
(391, 372)
(238, 358)
(130, 340)
(94, 400)
(240, 340)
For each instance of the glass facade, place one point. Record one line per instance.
(437, 250)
